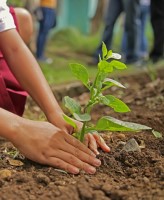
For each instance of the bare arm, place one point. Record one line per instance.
(28, 73)
(46, 144)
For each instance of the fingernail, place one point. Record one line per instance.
(91, 170)
(75, 171)
(96, 152)
(97, 163)
(108, 149)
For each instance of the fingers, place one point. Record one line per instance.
(73, 164)
(61, 164)
(77, 144)
(100, 141)
(72, 152)
(86, 140)
(92, 144)
(80, 155)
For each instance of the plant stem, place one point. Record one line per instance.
(83, 132)
(94, 84)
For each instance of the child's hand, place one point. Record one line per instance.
(46, 144)
(93, 141)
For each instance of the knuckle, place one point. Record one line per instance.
(76, 153)
(76, 143)
(46, 154)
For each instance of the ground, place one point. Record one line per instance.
(122, 175)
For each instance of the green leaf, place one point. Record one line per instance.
(70, 121)
(157, 134)
(115, 103)
(80, 72)
(117, 64)
(76, 135)
(82, 117)
(105, 66)
(104, 50)
(109, 54)
(110, 82)
(104, 100)
(72, 105)
(108, 123)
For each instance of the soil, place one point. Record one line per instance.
(122, 176)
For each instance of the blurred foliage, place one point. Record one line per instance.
(16, 3)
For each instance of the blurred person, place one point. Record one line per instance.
(157, 21)
(143, 43)
(113, 11)
(48, 143)
(31, 6)
(47, 21)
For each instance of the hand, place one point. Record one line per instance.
(93, 141)
(44, 143)
(63, 125)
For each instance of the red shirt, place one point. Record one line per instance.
(12, 96)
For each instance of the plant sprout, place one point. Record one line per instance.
(107, 64)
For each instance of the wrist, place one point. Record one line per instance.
(10, 125)
(55, 117)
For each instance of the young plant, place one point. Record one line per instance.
(96, 89)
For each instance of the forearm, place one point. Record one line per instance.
(28, 72)
(9, 124)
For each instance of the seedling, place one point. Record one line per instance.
(107, 64)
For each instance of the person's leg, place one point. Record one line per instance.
(132, 28)
(113, 11)
(45, 25)
(124, 43)
(157, 21)
(143, 40)
(25, 24)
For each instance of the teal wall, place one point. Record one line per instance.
(74, 13)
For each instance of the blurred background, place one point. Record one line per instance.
(75, 36)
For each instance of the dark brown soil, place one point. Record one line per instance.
(122, 175)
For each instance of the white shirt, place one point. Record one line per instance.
(6, 19)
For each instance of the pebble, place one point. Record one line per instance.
(131, 145)
(146, 180)
(41, 178)
(5, 173)
(121, 136)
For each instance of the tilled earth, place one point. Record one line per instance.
(122, 175)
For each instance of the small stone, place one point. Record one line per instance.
(131, 145)
(43, 179)
(5, 173)
(16, 163)
(121, 136)
(146, 180)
